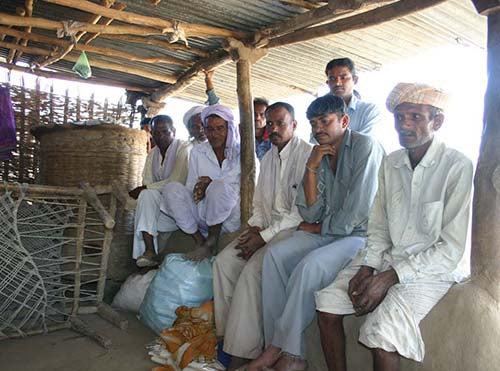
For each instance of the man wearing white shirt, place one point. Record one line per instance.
(165, 163)
(209, 203)
(416, 238)
(237, 269)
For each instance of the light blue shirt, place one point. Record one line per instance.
(363, 116)
(345, 198)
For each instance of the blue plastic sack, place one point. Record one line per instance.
(177, 282)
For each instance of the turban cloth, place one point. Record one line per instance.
(233, 134)
(417, 94)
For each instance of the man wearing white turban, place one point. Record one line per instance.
(209, 203)
(417, 233)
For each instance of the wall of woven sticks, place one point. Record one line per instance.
(33, 107)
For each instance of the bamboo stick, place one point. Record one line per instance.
(28, 6)
(21, 12)
(165, 25)
(72, 77)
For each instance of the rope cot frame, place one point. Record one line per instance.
(54, 252)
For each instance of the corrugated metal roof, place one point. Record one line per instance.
(286, 70)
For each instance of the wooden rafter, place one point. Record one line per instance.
(93, 49)
(156, 42)
(300, 3)
(107, 21)
(356, 22)
(187, 78)
(96, 63)
(21, 12)
(72, 77)
(47, 24)
(320, 15)
(28, 7)
(93, 20)
(190, 29)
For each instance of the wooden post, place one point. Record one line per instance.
(486, 205)
(247, 131)
(245, 56)
(78, 107)
(66, 107)
(80, 240)
(91, 107)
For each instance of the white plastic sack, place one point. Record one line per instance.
(178, 282)
(132, 291)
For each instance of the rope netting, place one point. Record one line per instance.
(50, 259)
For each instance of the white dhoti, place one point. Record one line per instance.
(394, 325)
(148, 218)
(221, 204)
(238, 299)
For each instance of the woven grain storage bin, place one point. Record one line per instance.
(97, 155)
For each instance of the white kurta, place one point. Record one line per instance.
(418, 226)
(237, 283)
(148, 217)
(221, 203)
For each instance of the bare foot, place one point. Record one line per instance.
(199, 253)
(290, 363)
(266, 359)
(237, 362)
(148, 259)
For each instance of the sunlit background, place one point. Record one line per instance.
(460, 70)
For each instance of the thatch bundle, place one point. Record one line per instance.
(95, 154)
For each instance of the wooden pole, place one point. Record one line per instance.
(28, 6)
(107, 21)
(159, 23)
(247, 130)
(486, 204)
(367, 19)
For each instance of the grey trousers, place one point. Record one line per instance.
(237, 299)
(293, 270)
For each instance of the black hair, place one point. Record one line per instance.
(343, 62)
(261, 101)
(162, 118)
(145, 121)
(325, 105)
(286, 106)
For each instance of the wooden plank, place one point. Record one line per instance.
(247, 128)
(133, 18)
(367, 19)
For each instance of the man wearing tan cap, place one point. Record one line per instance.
(416, 237)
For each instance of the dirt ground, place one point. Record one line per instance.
(67, 350)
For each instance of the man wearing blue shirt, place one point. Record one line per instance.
(334, 200)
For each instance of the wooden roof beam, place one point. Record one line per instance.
(190, 29)
(107, 21)
(47, 24)
(93, 20)
(93, 49)
(72, 77)
(21, 12)
(325, 13)
(28, 6)
(367, 19)
(217, 59)
(156, 42)
(96, 63)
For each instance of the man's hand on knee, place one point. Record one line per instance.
(359, 283)
(249, 242)
(375, 292)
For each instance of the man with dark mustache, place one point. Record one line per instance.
(334, 200)
(236, 271)
(341, 79)
(417, 233)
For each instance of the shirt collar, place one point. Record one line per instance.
(353, 103)
(428, 160)
(287, 150)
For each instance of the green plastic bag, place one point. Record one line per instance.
(82, 66)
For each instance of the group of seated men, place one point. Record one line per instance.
(338, 228)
